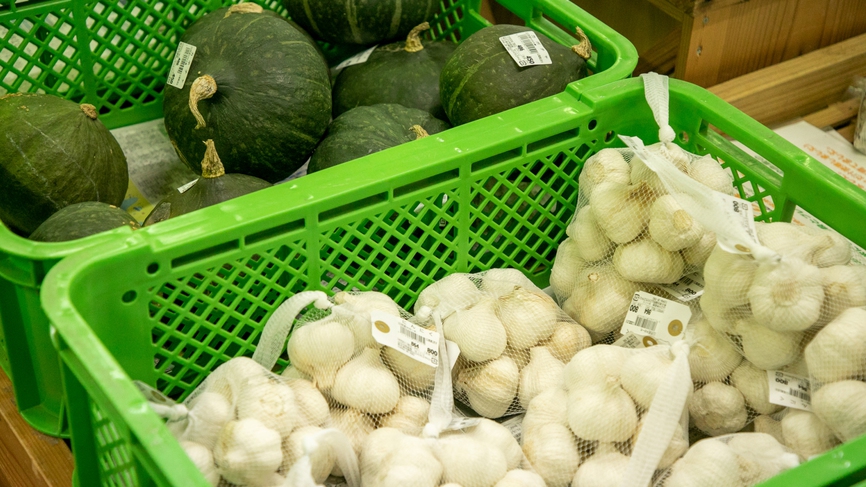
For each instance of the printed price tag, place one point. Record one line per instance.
(739, 213)
(515, 426)
(462, 423)
(183, 189)
(789, 390)
(525, 49)
(687, 288)
(180, 66)
(410, 339)
(663, 320)
(359, 58)
(630, 340)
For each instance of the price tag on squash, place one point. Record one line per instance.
(525, 49)
(359, 58)
(183, 189)
(660, 319)
(789, 390)
(412, 340)
(687, 288)
(180, 66)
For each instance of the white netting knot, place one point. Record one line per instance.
(680, 348)
(667, 134)
(175, 412)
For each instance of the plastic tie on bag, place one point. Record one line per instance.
(280, 323)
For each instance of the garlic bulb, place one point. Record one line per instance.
(697, 254)
(354, 424)
(230, 377)
(598, 292)
(604, 470)
(248, 453)
(830, 248)
(621, 211)
(752, 384)
(412, 374)
(409, 416)
(320, 349)
(766, 424)
(312, 407)
(478, 331)
(642, 374)
(712, 357)
(490, 388)
(646, 261)
(719, 315)
(354, 311)
(390, 458)
(521, 478)
(469, 462)
(711, 174)
(449, 294)
(520, 357)
(322, 460)
(543, 372)
(272, 403)
(364, 383)
(640, 172)
(607, 165)
(837, 352)
(603, 413)
(718, 409)
(497, 436)
(786, 296)
(552, 451)
(567, 340)
(566, 269)
(202, 458)
(708, 462)
(551, 406)
(760, 457)
(671, 226)
(500, 282)
(291, 372)
(676, 448)
(592, 243)
(528, 317)
(765, 348)
(595, 366)
(806, 434)
(786, 239)
(208, 413)
(844, 287)
(729, 276)
(842, 407)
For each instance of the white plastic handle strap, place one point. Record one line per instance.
(164, 406)
(280, 323)
(340, 444)
(442, 400)
(660, 422)
(301, 474)
(657, 97)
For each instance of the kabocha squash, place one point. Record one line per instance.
(257, 87)
(54, 153)
(481, 78)
(82, 220)
(365, 130)
(367, 22)
(214, 186)
(406, 73)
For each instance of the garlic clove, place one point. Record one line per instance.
(606, 165)
(355, 425)
(272, 403)
(364, 383)
(672, 227)
(412, 374)
(567, 340)
(248, 453)
(844, 287)
(718, 409)
(711, 174)
(766, 424)
(543, 372)
(478, 331)
(521, 478)
(712, 357)
(842, 407)
(292, 372)
(409, 416)
(567, 268)
(621, 211)
(604, 470)
(449, 294)
(202, 458)
(469, 462)
(765, 348)
(311, 405)
(500, 282)
(708, 462)
(643, 373)
(646, 261)
(717, 312)
(831, 248)
(322, 459)
(553, 453)
(729, 276)
(497, 436)
(527, 316)
(786, 296)
(595, 366)
(760, 457)
(600, 300)
(752, 384)
(491, 387)
(806, 434)
(551, 406)
(602, 413)
(837, 352)
(697, 254)
(320, 349)
(354, 311)
(208, 413)
(591, 242)
(392, 459)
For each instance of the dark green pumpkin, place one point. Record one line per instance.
(406, 73)
(360, 22)
(82, 220)
(481, 78)
(54, 153)
(369, 129)
(214, 186)
(261, 89)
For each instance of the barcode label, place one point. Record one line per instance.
(525, 49)
(740, 217)
(789, 390)
(653, 316)
(629, 340)
(405, 330)
(800, 394)
(183, 189)
(180, 66)
(412, 340)
(646, 323)
(687, 288)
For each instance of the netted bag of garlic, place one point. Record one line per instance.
(514, 339)
(800, 430)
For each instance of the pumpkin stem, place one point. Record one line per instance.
(202, 88)
(419, 132)
(211, 165)
(244, 8)
(413, 40)
(89, 110)
(584, 49)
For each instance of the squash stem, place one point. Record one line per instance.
(584, 49)
(89, 110)
(413, 40)
(244, 8)
(202, 88)
(419, 131)
(211, 165)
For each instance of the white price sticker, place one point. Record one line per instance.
(739, 213)
(180, 66)
(412, 340)
(663, 320)
(359, 58)
(462, 423)
(687, 288)
(630, 340)
(525, 49)
(789, 390)
(515, 426)
(183, 189)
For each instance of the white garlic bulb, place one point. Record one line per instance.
(711, 357)
(354, 424)
(672, 227)
(729, 276)
(765, 348)
(364, 383)
(528, 317)
(773, 427)
(603, 413)
(312, 407)
(566, 269)
(322, 460)
(607, 165)
(761, 457)
(842, 406)
(711, 174)
(230, 377)
(320, 349)
(208, 413)
(844, 287)
(643, 373)
(478, 331)
(521, 478)
(697, 254)
(786, 296)
(595, 366)
(412, 374)
(830, 247)
(469, 462)
(605, 470)
(543, 372)
(500, 282)
(248, 453)
(390, 458)
(640, 172)
(718, 409)
(553, 453)
(354, 311)
(272, 403)
(202, 458)
(646, 261)
(491, 387)
(598, 292)
(567, 340)
(497, 436)
(292, 372)
(551, 406)
(708, 462)
(837, 351)
(449, 294)
(409, 416)
(806, 434)
(592, 243)
(621, 211)
(752, 384)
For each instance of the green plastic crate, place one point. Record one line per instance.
(116, 55)
(171, 302)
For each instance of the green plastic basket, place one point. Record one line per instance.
(116, 55)
(169, 303)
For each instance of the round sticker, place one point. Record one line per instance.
(649, 341)
(675, 328)
(382, 326)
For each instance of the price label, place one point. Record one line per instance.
(630, 340)
(525, 49)
(739, 214)
(183, 189)
(789, 390)
(515, 426)
(412, 340)
(359, 58)
(662, 320)
(180, 66)
(687, 288)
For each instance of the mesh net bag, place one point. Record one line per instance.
(514, 339)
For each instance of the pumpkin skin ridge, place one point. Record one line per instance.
(81, 220)
(472, 71)
(372, 23)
